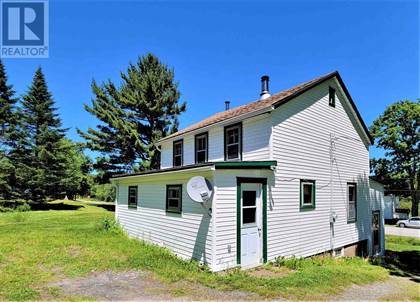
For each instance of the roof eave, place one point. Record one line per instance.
(346, 92)
(223, 122)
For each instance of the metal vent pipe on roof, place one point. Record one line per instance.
(264, 87)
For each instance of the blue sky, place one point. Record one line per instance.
(220, 50)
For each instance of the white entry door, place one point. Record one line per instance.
(251, 222)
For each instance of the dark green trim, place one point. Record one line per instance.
(217, 165)
(245, 164)
(304, 207)
(264, 209)
(348, 202)
(239, 182)
(180, 197)
(238, 222)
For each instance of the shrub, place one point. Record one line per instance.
(20, 217)
(109, 225)
(5, 209)
(104, 192)
(23, 208)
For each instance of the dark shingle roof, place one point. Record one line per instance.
(274, 100)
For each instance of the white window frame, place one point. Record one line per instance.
(351, 202)
(312, 183)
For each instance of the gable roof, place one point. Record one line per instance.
(275, 101)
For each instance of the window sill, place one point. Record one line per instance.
(132, 207)
(173, 213)
(351, 221)
(307, 207)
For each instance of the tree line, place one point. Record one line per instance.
(38, 162)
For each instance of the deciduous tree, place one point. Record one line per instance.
(397, 131)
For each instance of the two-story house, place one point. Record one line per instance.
(290, 176)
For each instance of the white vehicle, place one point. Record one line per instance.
(413, 222)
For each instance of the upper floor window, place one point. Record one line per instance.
(307, 194)
(233, 142)
(178, 150)
(351, 202)
(331, 97)
(132, 196)
(158, 157)
(201, 148)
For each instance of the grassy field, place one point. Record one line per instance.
(400, 244)
(43, 246)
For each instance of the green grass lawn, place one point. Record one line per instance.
(44, 246)
(399, 243)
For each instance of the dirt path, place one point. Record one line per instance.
(393, 289)
(141, 286)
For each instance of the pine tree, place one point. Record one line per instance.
(9, 127)
(78, 166)
(44, 132)
(8, 112)
(133, 117)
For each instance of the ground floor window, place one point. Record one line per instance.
(132, 196)
(351, 202)
(174, 198)
(307, 194)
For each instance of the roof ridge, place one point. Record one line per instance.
(252, 106)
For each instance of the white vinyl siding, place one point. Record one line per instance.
(188, 234)
(302, 133)
(256, 133)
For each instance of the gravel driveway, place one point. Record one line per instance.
(397, 231)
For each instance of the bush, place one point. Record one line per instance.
(5, 209)
(110, 225)
(23, 208)
(105, 192)
(14, 206)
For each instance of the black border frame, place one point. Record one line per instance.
(206, 134)
(180, 206)
(241, 141)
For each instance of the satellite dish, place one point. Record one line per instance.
(199, 189)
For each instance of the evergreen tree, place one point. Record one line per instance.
(44, 134)
(9, 132)
(77, 169)
(8, 113)
(133, 117)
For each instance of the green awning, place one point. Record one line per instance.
(245, 164)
